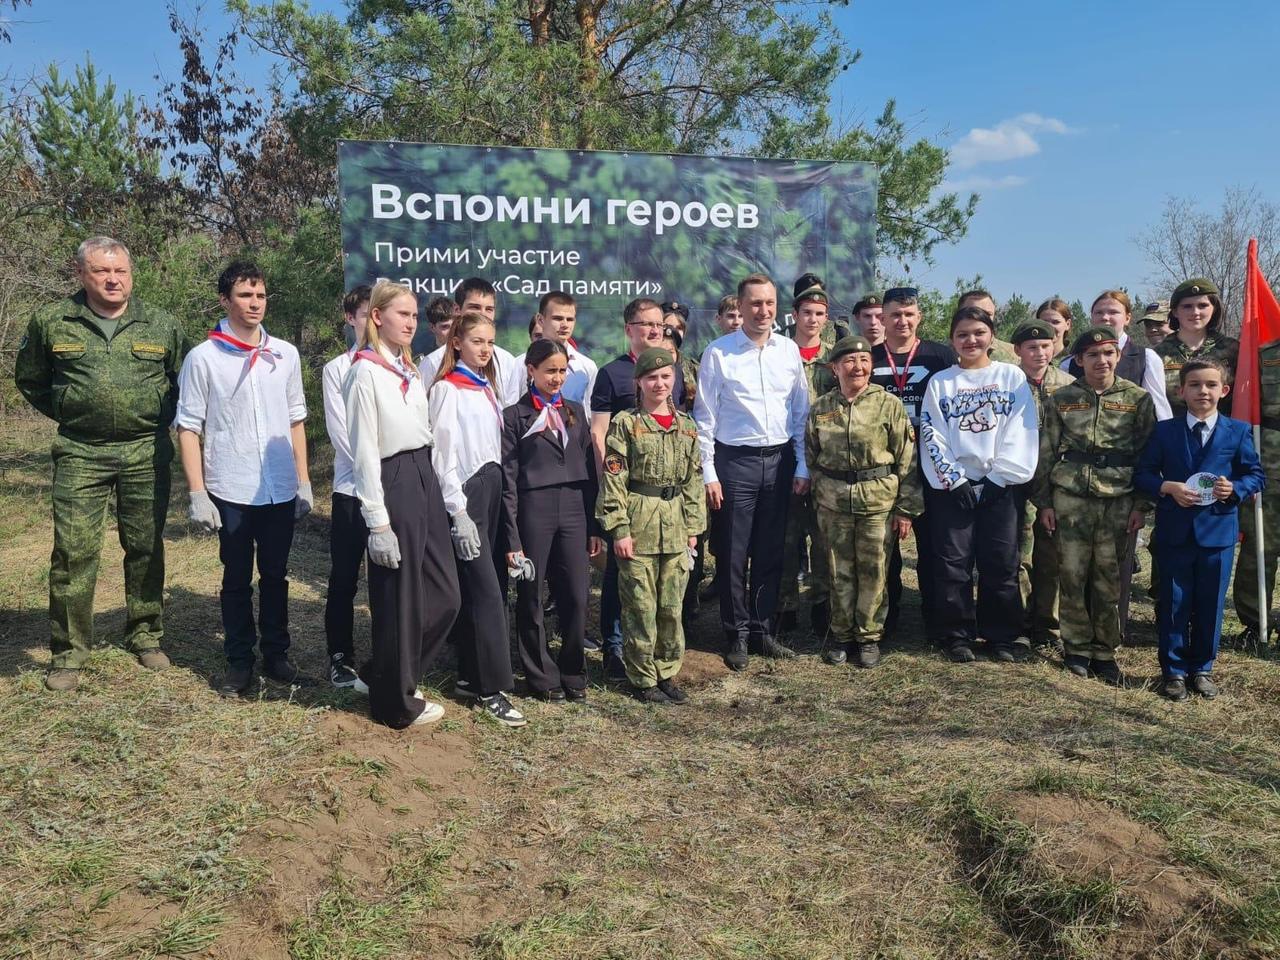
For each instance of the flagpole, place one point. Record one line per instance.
(1260, 553)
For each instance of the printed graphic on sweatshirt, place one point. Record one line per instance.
(948, 474)
(977, 408)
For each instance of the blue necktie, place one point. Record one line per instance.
(1198, 433)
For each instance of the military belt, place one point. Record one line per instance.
(1271, 423)
(857, 476)
(1100, 458)
(654, 490)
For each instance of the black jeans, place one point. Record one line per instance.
(986, 537)
(267, 531)
(348, 536)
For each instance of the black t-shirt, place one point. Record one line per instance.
(615, 388)
(930, 357)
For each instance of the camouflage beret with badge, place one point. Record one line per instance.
(1195, 287)
(870, 300)
(655, 358)
(847, 345)
(1032, 330)
(1092, 337)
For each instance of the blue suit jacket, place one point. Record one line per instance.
(1169, 456)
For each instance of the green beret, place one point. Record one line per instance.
(846, 345)
(655, 358)
(870, 300)
(1032, 330)
(1195, 287)
(814, 292)
(1092, 337)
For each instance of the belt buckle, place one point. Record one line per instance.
(1100, 460)
(670, 492)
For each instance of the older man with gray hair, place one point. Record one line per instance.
(105, 368)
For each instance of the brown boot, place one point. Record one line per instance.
(62, 679)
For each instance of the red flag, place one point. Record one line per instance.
(1260, 325)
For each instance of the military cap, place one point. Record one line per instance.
(901, 294)
(675, 306)
(672, 332)
(870, 300)
(655, 358)
(1092, 337)
(1032, 330)
(846, 345)
(804, 283)
(1195, 287)
(1157, 311)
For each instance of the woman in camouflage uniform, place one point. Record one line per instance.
(1195, 316)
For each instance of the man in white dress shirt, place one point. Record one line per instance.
(241, 393)
(475, 295)
(556, 318)
(751, 406)
(348, 534)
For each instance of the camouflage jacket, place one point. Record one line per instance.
(101, 390)
(1269, 407)
(1077, 419)
(872, 430)
(1002, 351)
(1055, 378)
(1174, 353)
(689, 368)
(638, 451)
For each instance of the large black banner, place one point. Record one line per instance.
(605, 227)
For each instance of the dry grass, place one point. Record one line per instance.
(793, 811)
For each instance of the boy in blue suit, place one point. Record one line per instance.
(1199, 467)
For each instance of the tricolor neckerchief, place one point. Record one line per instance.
(228, 342)
(368, 353)
(548, 417)
(464, 379)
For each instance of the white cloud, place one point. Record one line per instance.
(1007, 140)
(968, 184)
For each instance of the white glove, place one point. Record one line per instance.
(690, 554)
(203, 512)
(521, 568)
(304, 502)
(384, 548)
(466, 538)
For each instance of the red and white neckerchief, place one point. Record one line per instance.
(368, 353)
(462, 378)
(549, 417)
(229, 342)
(900, 380)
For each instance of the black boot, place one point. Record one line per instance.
(735, 657)
(236, 681)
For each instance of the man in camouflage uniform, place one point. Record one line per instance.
(1034, 344)
(862, 453)
(1155, 322)
(652, 505)
(105, 367)
(1245, 588)
(1175, 351)
(1094, 430)
(813, 336)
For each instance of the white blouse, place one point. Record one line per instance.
(468, 432)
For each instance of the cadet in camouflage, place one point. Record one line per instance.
(862, 453)
(813, 335)
(652, 504)
(1093, 431)
(1245, 588)
(1195, 315)
(1035, 344)
(105, 367)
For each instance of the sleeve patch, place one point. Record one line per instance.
(1068, 407)
(1122, 407)
(614, 463)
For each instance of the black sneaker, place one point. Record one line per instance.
(341, 675)
(1108, 671)
(236, 681)
(674, 693)
(614, 668)
(500, 708)
(960, 652)
(735, 657)
(1076, 665)
(590, 643)
(1175, 688)
(651, 695)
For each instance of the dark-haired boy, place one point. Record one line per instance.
(1198, 468)
(241, 393)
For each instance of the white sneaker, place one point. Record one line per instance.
(430, 714)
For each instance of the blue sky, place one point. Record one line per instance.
(1073, 120)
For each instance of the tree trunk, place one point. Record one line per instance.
(588, 12)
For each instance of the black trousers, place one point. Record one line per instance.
(480, 632)
(413, 606)
(985, 537)
(926, 576)
(265, 530)
(348, 537)
(752, 524)
(553, 532)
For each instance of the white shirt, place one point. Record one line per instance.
(979, 425)
(468, 432)
(381, 422)
(577, 385)
(751, 396)
(1152, 378)
(1210, 422)
(335, 422)
(503, 363)
(244, 412)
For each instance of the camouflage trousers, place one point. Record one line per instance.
(1245, 589)
(802, 525)
(858, 550)
(651, 588)
(1090, 542)
(85, 477)
(1038, 577)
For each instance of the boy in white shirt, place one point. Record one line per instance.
(556, 318)
(241, 392)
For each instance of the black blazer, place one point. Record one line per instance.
(529, 463)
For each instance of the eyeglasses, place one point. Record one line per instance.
(646, 326)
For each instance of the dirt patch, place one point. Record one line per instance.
(701, 668)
